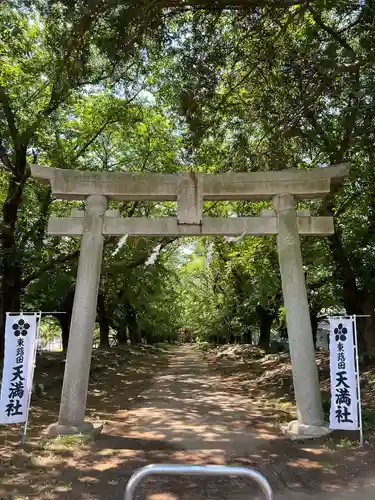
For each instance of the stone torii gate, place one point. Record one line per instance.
(190, 189)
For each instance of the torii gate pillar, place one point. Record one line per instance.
(78, 359)
(310, 421)
(190, 190)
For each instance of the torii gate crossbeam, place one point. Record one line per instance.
(190, 190)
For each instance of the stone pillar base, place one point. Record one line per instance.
(85, 429)
(298, 432)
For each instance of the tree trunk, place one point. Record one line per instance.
(134, 334)
(64, 320)
(11, 262)
(355, 300)
(65, 317)
(247, 337)
(265, 323)
(367, 325)
(149, 337)
(129, 326)
(104, 323)
(344, 273)
(121, 334)
(314, 325)
(132, 323)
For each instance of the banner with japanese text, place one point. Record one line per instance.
(344, 398)
(19, 356)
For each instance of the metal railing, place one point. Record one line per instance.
(196, 470)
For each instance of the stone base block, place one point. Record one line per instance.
(86, 429)
(298, 432)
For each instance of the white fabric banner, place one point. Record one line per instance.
(344, 398)
(20, 344)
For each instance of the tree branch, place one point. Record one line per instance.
(5, 158)
(334, 34)
(133, 208)
(353, 104)
(106, 122)
(57, 97)
(310, 115)
(350, 118)
(92, 139)
(61, 259)
(230, 4)
(45, 199)
(9, 115)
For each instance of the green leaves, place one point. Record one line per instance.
(131, 87)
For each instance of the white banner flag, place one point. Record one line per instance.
(20, 344)
(344, 398)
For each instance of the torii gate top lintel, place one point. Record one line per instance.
(79, 184)
(190, 189)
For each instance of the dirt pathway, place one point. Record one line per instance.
(202, 419)
(187, 413)
(188, 406)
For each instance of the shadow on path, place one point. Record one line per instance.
(188, 414)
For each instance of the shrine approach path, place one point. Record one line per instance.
(191, 414)
(186, 411)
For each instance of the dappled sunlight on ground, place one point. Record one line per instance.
(195, 409)
(191, 412)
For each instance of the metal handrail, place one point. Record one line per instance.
(196, 470)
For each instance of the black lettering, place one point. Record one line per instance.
(341, 379)
(20, 351)
(341, 357)
(17, 373)
(343, 414)
(343, 397)
(16, 390)
(13, 408)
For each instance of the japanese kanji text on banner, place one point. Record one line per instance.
(344, 397)
(20, 342)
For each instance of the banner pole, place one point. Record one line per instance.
(38, 317)
(361, 440)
